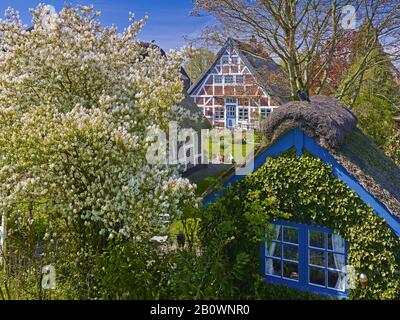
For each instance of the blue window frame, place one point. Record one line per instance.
(305, 257)
(218, 79)
(229, 79)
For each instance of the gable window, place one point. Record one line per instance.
(229, 79)
(234, 60)
(239, 79)
(306, 257)
(265, 112)
(243, 114)
(218, 79)
(225, 60)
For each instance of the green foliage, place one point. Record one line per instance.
(392, 148)
(189, 227)
(204, 184)
(304, 190)
(75, 181)
(222, 258)
(131, 271)
(374, 95)
(199, 61)
(375, 118)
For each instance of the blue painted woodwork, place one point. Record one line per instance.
(230, 111)
(299, 140)
(303, 265)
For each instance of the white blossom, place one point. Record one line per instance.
(76, 99)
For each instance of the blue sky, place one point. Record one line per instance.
(168, 22)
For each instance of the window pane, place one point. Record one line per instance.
(228, 79)
(335, 260)
(291, 252)
(276, 232)
(243, 114)
(219, 114)
(317, 276)
(230, 110)
(317, 257)
(218, 79)
(291, 270)
(273, 267)
(336, 280)
(317, 239)
(291, 235)
(265, 113)
(335, 243)
(274, 249)
(330, 241)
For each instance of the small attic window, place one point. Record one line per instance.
(229, 79)
(218, 79)
(239, 79)
(225, 60)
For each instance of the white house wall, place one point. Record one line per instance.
(210, 95)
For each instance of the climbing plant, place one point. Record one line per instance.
(303, 189)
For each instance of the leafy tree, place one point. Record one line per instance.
(392, 148)
(375, 118)
(76, 99)
(305, 34)
(199, 61)
(374, 96)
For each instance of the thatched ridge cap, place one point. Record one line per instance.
(322, 119)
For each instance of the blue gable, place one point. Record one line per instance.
(298, 139)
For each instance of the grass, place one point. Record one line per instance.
(191, 224)
(228, 148)
(205, 184)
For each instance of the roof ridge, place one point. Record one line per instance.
(257, 64)
(196, 82)
(253, 52)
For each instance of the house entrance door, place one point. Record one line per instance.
(230, 111)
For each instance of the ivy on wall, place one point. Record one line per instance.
(303, 189)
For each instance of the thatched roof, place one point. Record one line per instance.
(196, 119)
(334, 128)
(322, 119)
(267, 72)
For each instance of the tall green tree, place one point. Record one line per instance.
(374, 95)
(198, 62)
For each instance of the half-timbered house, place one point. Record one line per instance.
(241, 86)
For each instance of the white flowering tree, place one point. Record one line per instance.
(76, 102)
